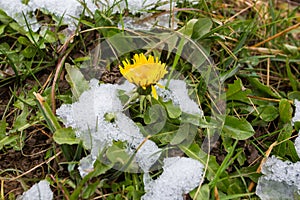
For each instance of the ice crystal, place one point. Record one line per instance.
(39, 191)
(180, 176)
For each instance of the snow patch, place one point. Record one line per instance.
(180, 176)
(178, 93)
(281, 180)
(39, 191)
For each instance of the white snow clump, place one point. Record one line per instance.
(180, 176)
(280, 179)
(68, 10)
(178, 93)
(39, 191)
(87, 117)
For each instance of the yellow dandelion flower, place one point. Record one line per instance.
(144, 72)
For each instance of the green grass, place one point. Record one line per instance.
(256, 52)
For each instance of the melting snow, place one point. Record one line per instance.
(87, 117)
(69, 10)
(281, 179)
(39, 191)
(180, 176)
(178, 93)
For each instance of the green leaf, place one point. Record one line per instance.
(24, 41)
(203, 194)
(65, 136)
(194, 119)
(260, 87)
(237, 91)
(239, 129)
(29, 51)
(172, 110)
(90, 189)
(285, 111)
(48, 35)
(155, 118)
(294, 95)
(284, 135)
(188, 28)
(2, 28)
(21, 121)
(185, 131)
(4, 18)
(118, 154)
(8, 140)
(76, 80)
(201, 27)
(267, 113)
(291, 151)
(15, 26)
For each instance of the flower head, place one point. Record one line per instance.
(144, 72)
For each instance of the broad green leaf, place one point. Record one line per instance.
(2, 28)
(235, 186)
(291, 151)
(4, 18)
(201, 27)
(203, 194)
(237, 91)
(172, 110)
(154, 113)
(8, 140)
(242, 156)
(118, 154)
(260, 87)
(33, 37)
(65, 136)
(90, 189)
(249, 171)
(122, 42)
(155, 118)
(76, 80)
(239, 129)
(267, 113)
(185, 131)
(100, 168)
(194, 119)
(284, 135)
(188, 28)
(21, 121)
(285, 111)
(294, 95)
(48, 35)
(29, 51)
(24, 41)
(17, 27)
